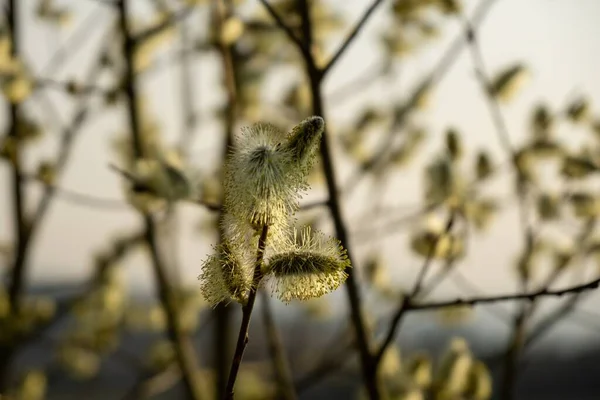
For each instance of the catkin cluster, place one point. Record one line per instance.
(265, 175)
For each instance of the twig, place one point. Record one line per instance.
(406, 302)
(71, 46)
(519, 330)
(351, 36)
(167, 23)
(448, 58)
(242, 340)
(279, 360)
(351, 285)
(20, 222)
(529, 296)
(304, 49)
(223, 11)
(67, 139)
(184, 350)
(346, 90)
(465, 285)
(83, 199)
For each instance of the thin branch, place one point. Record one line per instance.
(76, 41)
(222, 354)
(529, 296)
(520, 322)
(351, 36)
(305, 50)
(352, 289)
(110, 3)
(428, 261)
(20, 221)
(465, 285)
(72, 87)
(184, 350)
(353, 86)
(406, 302)
(83, 199)
(242, 340)
(448, 58)
(167, 23)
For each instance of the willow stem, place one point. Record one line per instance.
(242, 340)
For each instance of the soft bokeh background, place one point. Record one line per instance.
(557, 41)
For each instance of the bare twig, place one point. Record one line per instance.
(304, 49)
(406, 302)
(242, 340)
(448, 58)
(184, 350)
(84, 199)
(20, 222)
(529, 296)
(351, 285)
(223, 10)
(351, 36)
(165, 24)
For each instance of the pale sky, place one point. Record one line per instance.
(556, 39)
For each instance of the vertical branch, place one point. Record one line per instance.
(352, 289)
(281, 366)
(34, 222)
(520, 323)
(242, 340)
(222, 351)
(20, 222)
(184, 350)
(520, 340)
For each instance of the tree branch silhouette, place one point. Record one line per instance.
(350, 38)
(352, 287)
(184, 350)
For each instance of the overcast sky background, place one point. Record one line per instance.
(557, 39)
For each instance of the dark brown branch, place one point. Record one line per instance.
(351, 285)
(70, 47)
(302, 47)
(242, 340)
(184, 350)
(222, 353)
(529, 296)
(351, 36)
(20, 222)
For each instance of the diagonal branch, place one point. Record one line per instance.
(381, 153)
(351, 36)
(529, 296)
(407, 300)
(305, 50)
